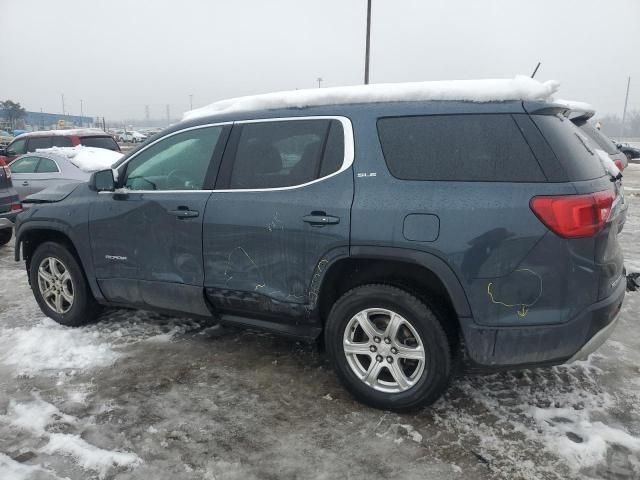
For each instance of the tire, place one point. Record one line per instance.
(71, 283)
(5, 235)
(422, 335)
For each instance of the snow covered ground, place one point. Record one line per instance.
(141, 396)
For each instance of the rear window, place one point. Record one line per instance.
(597, 136)
(100, 142)
(571, 147)
(458, 148)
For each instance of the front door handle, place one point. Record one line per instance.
(184, 212)
(319, 219)
(25, 184)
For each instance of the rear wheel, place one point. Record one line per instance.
(388, 348)
(5, 235)
(60, 287)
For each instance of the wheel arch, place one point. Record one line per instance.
(30, 236)
(424, 275)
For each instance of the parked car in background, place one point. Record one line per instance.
(9, 204)
(488, 226)
(5, 138)
(36, 171)
(632, 153)
(132, 137)
(32, 141)
(580, 113)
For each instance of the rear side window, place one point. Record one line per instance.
(100, 142)
(25, 165)
(487, 148)
(38, 142)
(597, 136)
(571, 147)
(47, 165)
(62, 142)
(286, 153)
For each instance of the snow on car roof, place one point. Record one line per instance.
(88, 159)
(518, 88)
(71, 131)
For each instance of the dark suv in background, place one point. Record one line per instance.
(30, 142)
(402, 232)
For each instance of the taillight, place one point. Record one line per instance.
(16, 206)
(619, 164)
(574, 216)
(5, 167)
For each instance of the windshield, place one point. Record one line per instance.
(597, 136)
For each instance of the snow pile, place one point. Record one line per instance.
(65, 133)
(36, 415)
(49, 346)
(519, 88)
(89, 159)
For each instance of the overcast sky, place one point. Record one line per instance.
(118, 56)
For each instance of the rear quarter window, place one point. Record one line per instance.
(571, 147)
(458, 148)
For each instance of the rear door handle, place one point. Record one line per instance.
(184, 212)
(25, 184)
(319, 219)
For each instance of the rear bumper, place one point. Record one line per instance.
(7, 220)
(529, 346)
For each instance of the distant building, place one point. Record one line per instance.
(48, 121)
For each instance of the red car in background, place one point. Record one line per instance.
(32, 141)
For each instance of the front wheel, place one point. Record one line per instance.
(59, 285)
(388, 348)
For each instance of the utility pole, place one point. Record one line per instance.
(168, 115)
(368, 47)
(81, 115)
(319, 80)
(146, 113)
(624, 112)
(64, 113)
(191, 101)
(41, 119)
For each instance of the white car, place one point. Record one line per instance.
(132, 137)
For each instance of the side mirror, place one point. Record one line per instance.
(9, 153)
(102, 181)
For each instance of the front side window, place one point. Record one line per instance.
(487, 148)
(178, 162)
(47, 165)
(25, 165)
(17, 147)
(286, 153)
(36, 143)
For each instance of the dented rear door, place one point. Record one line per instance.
(280, 210)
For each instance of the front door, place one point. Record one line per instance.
(280, 210)
(147, 236)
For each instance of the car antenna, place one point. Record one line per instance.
(536, 69)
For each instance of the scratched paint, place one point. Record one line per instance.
(240, 261)
(531, 278)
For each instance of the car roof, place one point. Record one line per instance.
(82, 132)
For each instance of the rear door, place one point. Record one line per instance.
(146, 238)
(281, 208)
(23, 171)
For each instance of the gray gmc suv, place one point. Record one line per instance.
(402, 233)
